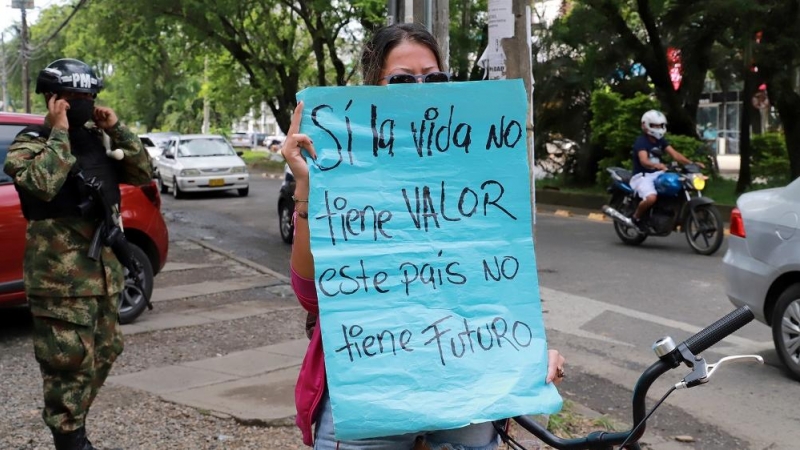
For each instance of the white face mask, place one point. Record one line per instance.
(657, 130)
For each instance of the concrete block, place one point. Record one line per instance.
(247, 363)
(163, 380)
(296, 348)
(264, 399)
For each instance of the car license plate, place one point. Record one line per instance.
(214, 182)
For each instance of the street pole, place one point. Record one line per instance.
(441, 30)
(408, 11)
(519, 65)
(26, 95)
(5, 71)
(206, 103)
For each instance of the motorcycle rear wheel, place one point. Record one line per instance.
(626, 234)
(704, 230)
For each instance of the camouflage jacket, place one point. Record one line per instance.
(56, 262)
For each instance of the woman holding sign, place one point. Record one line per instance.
(401, 53)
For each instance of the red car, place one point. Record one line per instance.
(141, 214)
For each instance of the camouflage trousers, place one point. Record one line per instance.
(76, 340)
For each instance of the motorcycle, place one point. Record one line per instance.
(680, 206)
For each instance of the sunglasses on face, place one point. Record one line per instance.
(432, 77)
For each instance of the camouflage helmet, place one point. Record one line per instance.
(68, 75)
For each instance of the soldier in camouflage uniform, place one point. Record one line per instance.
(73, 298)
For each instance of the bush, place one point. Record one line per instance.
(692, 148)
(770, 160)
(615, 124)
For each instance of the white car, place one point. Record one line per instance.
(150, 146)
(152, 149)
(243, 140)
(202, 163)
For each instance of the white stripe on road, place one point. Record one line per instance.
(569, 313)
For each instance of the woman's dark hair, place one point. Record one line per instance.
(387, 38)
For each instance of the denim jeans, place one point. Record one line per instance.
(480, 436)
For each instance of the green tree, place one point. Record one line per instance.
(280, 46)
(468, 37)
(778, 60)
(641, 31)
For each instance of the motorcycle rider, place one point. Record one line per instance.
(648, 149)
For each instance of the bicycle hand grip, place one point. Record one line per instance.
(720, 329)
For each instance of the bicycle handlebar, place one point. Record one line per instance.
(600, 440)
(718, 330)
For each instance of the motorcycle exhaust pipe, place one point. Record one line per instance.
(618, 216)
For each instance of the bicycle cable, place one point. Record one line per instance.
(506, 438)
(514, 445)
(633, 431)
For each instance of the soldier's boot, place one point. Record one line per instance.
(75, 440)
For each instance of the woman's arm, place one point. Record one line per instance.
(302, 261)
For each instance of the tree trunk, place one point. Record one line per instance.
(792, 130)
(745, 153)
(787, 102)
(790, 117)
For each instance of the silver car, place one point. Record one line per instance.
(202, 162)
(762, 265)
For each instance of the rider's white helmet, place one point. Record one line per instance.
(654, 123)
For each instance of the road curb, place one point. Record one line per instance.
(239, 259)
(597, 216)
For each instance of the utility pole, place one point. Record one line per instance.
(5, 70)
(24, 5)
(206, 103)
(519, 64)
(441, 30)
(517, 49)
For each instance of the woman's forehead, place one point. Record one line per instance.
(411, 55)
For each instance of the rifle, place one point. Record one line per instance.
(109, 232)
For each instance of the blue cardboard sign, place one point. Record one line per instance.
(420, 220)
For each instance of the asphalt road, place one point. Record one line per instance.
(605, 304)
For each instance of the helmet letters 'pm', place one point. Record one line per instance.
(654, 123)
(68, 75)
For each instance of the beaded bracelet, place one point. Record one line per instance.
(297, 200)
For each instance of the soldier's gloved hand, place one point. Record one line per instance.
(104, 117)
(57, 112)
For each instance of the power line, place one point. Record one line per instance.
(25, 51)
(75, 9)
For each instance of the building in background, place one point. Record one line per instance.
(260, 125)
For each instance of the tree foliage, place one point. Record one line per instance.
(469, 36)
(777, 57)
(161, 59)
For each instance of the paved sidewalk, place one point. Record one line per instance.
(254, 386)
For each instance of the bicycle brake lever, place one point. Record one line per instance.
(702, 372)
(735, 358)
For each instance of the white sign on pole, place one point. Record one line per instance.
(501, 25)
(19, 4)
